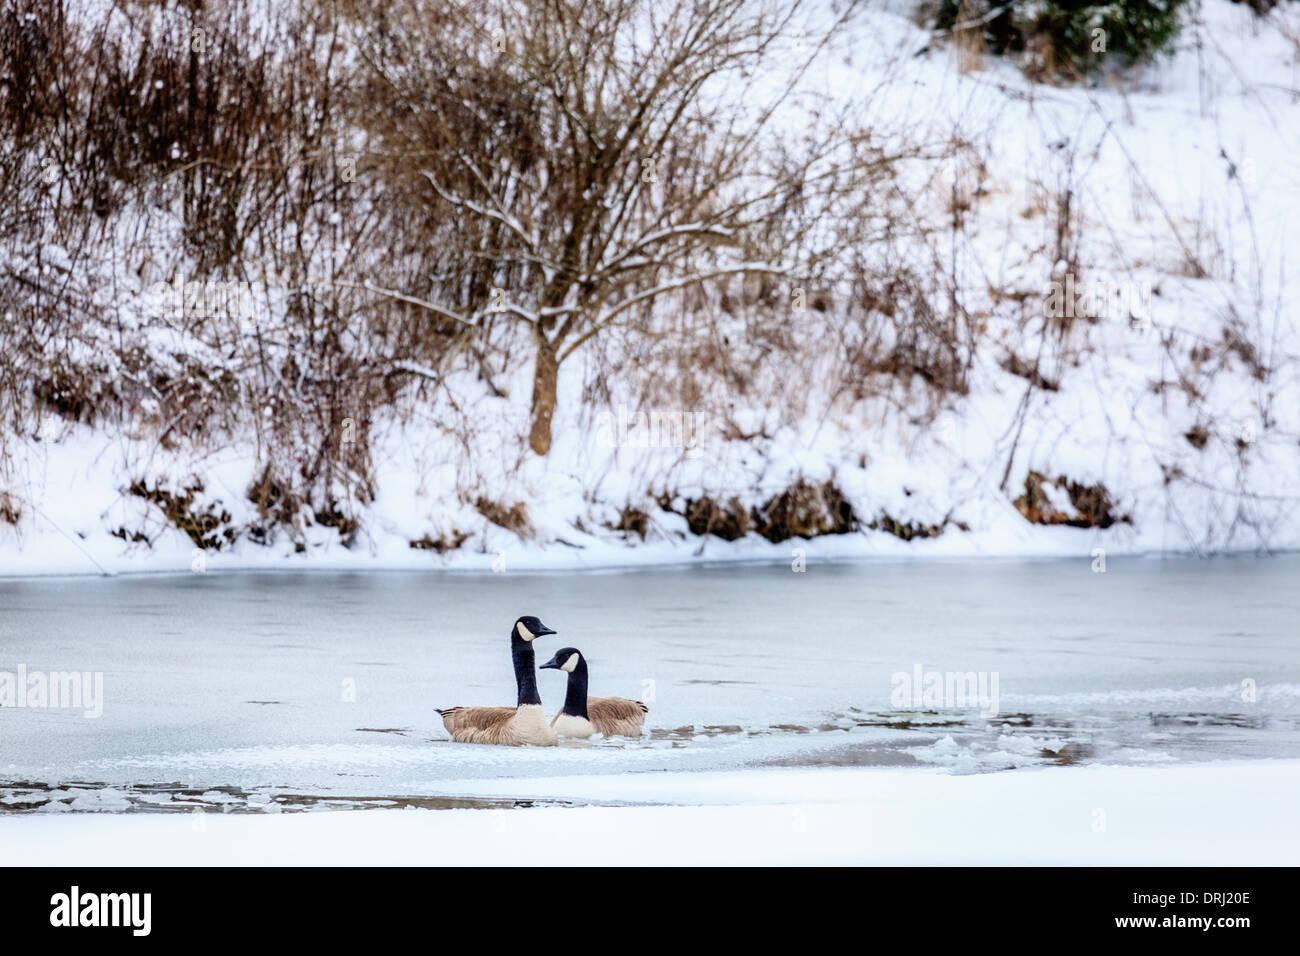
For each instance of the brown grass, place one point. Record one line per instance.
(447, 541)
(209, 528)
(804, 510)
(10, 511)
(1092, 503)
(512, 517)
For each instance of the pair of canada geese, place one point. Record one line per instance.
(525, 723)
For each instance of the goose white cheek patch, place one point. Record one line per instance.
(526, 634)
(570, 664)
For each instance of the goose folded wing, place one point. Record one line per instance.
(616, 715)
(464, 723)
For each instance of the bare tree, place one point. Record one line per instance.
(583, 162)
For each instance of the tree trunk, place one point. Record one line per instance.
(545, 374)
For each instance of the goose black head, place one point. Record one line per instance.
(529, 628)
(570, 660)
(565, 659)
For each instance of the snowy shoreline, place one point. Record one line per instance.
(610, 559)
(1092, 816)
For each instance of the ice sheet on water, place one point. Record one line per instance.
(230, 684)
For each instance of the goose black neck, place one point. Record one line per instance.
(525, 671)
(575, 699)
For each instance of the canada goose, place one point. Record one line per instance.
(583, 716)
(525, 723)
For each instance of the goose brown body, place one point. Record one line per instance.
(611, 716)
(521, 725)
(509, 726)
(582, 716)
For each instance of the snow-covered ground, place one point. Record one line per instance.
(1187, 193)
(1238, 814)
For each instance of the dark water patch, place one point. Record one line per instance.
(97, 797)
(901, 720)
(716, 683)
(1068, 755)
(1252, 721)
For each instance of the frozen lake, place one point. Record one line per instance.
(235, 691)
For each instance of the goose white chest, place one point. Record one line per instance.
(566, 725)
(529, 726)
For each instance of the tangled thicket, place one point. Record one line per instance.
(278, 153)
(284, 231)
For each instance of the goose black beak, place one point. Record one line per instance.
(544, 630)
(553, 664)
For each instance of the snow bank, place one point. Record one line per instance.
(1097, 815)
